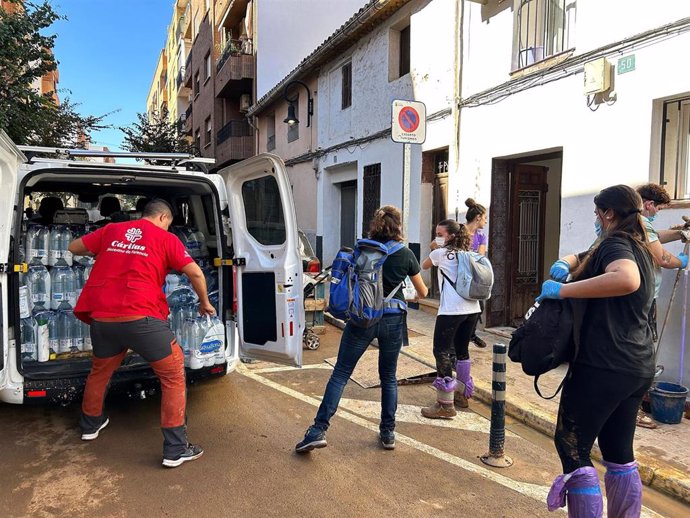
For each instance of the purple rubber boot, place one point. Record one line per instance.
(623, 490)
(462, 368)
(581, 491)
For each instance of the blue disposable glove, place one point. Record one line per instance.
(550, 290)
(560, 270)
(683, 260)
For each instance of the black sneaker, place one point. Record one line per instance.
(91, 434)
(192, 452)
(478, 342)
(314, 438)
(387, 440)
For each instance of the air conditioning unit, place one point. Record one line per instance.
(245, 102)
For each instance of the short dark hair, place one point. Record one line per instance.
(654, 192)
(157, 206)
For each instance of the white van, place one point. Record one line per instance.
(247, 218)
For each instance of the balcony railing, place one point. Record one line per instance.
(188, 112)
(233, 48)
(234, 128)
(180, 76)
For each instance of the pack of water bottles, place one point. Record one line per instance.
(49, 291)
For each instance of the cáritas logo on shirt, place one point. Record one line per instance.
(132, 235)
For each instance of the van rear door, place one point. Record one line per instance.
(269, 275)
(10, 158)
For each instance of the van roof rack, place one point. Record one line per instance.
(173, 158)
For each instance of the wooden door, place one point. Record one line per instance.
(440, 210)
(348, 213)
(527, 214)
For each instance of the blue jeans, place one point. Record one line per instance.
(355, 340)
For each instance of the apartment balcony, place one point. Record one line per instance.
(234, 141)
(187, 126)
(234, 67)
(187, 77)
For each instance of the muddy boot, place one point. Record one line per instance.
(465, 386)
(443, 408)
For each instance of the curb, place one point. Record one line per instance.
(663, 478)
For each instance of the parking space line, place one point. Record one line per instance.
(534, 491)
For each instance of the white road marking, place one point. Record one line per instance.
(285, 368)
(534, 491)
(412, 414)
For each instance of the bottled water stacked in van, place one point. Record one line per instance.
(54, 281)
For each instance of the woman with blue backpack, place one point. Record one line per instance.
(614, 366)
(455, 323)
(383, 278)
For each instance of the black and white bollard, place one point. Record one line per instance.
(497, 435)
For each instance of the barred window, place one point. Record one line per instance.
(543, 28)
(371, 194)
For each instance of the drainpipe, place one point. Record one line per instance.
(457, 93)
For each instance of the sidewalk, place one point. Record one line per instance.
(663, 454)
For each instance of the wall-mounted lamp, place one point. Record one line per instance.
(291, 118)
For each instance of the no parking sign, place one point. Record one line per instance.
(408, 124)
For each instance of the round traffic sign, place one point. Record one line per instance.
(408, 119)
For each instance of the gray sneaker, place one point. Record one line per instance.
(91, 434)
(191, 452)
(314, 438)
(387, 440)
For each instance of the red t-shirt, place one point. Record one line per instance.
(132, 260)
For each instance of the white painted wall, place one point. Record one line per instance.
(430, 81)
(615, 144)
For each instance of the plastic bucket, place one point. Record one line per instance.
(668, 402)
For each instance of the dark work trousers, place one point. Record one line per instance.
(153, 340)
(598, 404)
(452, 335)
(479, 319)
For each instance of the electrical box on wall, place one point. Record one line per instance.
(598, 76)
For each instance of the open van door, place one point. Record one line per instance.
(269, 294)
(10, 158)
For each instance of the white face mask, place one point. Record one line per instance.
(440, 241)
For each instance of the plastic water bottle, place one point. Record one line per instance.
(198, 240)
(62, 283)
(220, 353)
(195, 338)
(37, 243)
(42, 318)
(187, 340)
(77, 232)
(60, 238)
(38, 282)
(65, 328)
(28, 332)
(183, 295)
(172, 281)
(77, 335)
(79, 279)
(213, 299)
(88, 345)
(53, 335)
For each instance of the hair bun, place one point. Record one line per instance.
(470, 202)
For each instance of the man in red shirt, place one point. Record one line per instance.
(124, 303)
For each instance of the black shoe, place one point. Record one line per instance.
(191, 452)
(314, 438)
(478, 342)
(387, 440)
(92, 433)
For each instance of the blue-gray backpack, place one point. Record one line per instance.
(475, 276)
(356, 292)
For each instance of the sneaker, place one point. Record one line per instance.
(478, 342)
(91, 435)
(314, 438)
(191, 452)
(387, 440)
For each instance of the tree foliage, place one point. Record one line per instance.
(26, 56)
(154, 133)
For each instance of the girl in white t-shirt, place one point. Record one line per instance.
(455, 323)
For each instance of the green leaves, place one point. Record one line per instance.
(154, 133)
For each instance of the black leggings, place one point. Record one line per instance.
(451, 341)
(598, 403)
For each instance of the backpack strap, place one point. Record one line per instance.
(447, 278)
(393, 246)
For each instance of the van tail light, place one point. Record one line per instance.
(234, 290)
(314, 266)
(36, 393)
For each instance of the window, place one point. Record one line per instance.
(197, 139)
(263, 209)
(207, 67)
(543, 28)
(293, 130)
(371, 194)
(271, 132)
(346, 97)
(207, 125)
(404, 62)
(197, 85)
(675, 152)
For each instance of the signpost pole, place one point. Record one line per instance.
(407, 153)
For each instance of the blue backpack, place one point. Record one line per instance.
(356, 292)
(475, 276)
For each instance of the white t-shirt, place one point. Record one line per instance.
(451, 302)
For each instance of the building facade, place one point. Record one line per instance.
(558, 103)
